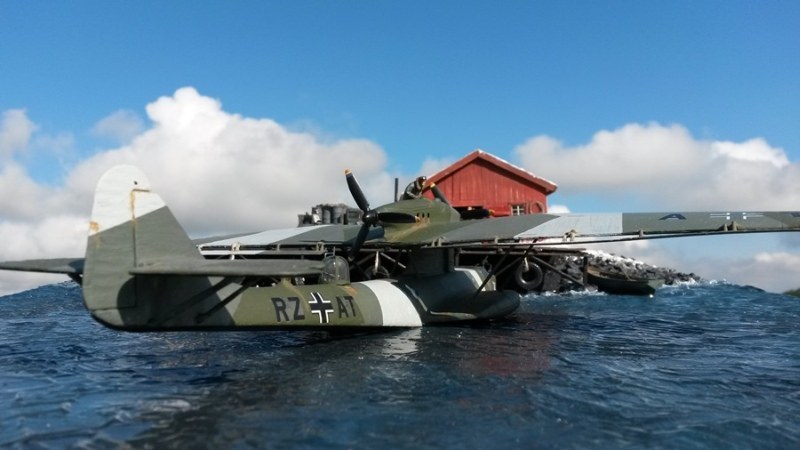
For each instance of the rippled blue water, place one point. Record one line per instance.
(698, 366)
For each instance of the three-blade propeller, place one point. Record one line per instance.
(370, 217)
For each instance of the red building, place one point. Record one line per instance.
(482, 180)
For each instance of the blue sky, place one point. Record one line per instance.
(423, 83)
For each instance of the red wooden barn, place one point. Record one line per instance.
(482, 180)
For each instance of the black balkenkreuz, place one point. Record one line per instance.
(320, 307)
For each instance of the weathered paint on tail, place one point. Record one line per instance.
(131, 227)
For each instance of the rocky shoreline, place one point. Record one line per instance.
(572, 268)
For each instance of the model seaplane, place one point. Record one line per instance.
(142, 272)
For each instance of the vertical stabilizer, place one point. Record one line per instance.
(131, 227)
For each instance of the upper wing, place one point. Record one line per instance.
(539, 228)
(569, 228)
(285, 239)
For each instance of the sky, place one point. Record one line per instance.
(245, 113)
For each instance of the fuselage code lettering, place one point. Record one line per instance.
(343, 303)
(290, 309)
(286, 306)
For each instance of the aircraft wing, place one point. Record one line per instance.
(226, 267)
(167, 266)
(286, 237)
(68, 266)
(571, 228)
(551, 229)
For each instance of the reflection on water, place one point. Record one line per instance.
(709, 365)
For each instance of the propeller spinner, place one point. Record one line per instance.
(370, 217)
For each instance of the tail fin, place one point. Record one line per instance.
(132, 227)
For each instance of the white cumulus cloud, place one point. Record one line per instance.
(558, 209)
(772, 271)
(221, 172)
(667, 167)
(15, 132)
(433, 165)
(121, 126)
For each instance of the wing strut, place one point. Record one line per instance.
(564, 274)
(495, 271)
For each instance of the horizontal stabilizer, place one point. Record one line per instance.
(68, 266)
(230, 268)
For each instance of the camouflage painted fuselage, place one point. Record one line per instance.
(221, 304)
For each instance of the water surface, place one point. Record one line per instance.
(710, 365)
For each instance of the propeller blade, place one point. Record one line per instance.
(397, 217)
(360, 238)
(438, 194)
(356, 192)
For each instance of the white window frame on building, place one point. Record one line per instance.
(518, 209)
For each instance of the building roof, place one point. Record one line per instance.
(547, 186)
